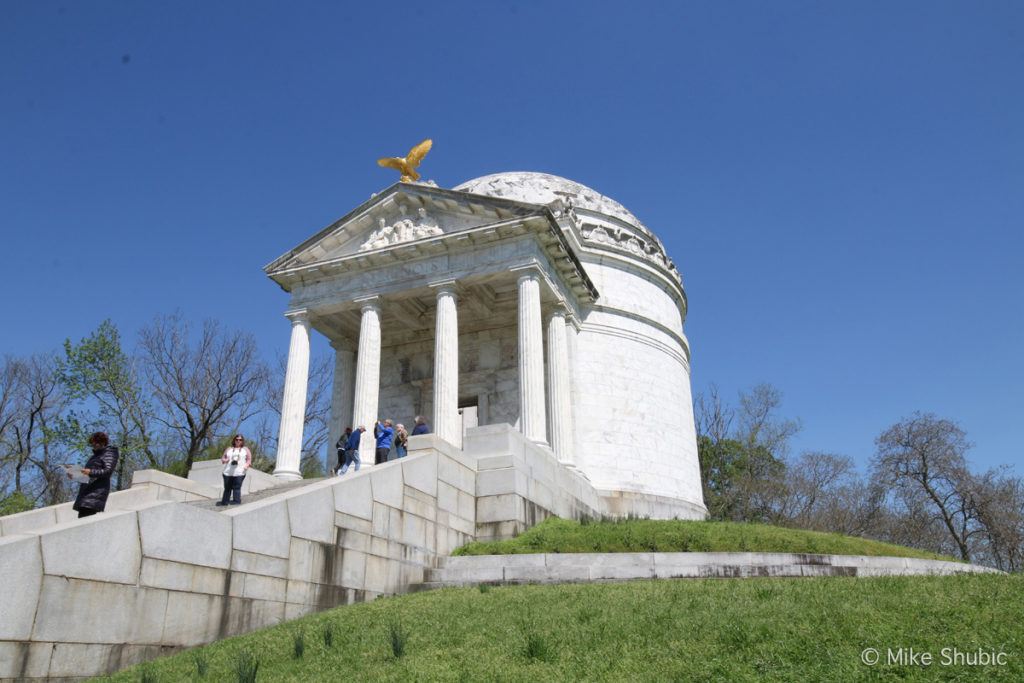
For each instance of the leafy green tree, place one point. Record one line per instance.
(741, 454)
(738, 479)
(97, 370)
(15, 503)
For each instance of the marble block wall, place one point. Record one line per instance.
(631, 393)
(101, 593)
(520, 483)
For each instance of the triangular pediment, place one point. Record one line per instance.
(401, 215)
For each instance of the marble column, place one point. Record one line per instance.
(367, 390)
(558, 384)
(532, 407)
(293, 402)
(342, 393)
(446, 366)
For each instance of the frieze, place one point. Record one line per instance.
(627, 241)
(402, 230)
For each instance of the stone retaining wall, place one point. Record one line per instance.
(520, 483)
(94, 595)
(583, 567)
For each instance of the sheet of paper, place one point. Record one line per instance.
(75, 474)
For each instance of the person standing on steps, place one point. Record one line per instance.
(236, 460)
(352, 450)
(421, 426)
(92, 497)
(340, 447)
(385, 434)
(401, 441)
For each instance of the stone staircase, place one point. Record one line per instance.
(254, 497)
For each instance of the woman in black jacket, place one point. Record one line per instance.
(92, 497)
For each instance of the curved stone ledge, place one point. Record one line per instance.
(586, 567)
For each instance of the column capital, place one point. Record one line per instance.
(560, 308)
(526, 273)
(371, 302)
(556, 311)
(298, 316)
(449, 286)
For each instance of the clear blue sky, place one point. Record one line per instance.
(841, 184)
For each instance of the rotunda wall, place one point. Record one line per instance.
(630, 291)
(634, 409)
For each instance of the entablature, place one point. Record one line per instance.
(408, 223)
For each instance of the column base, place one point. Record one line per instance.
(288, 475)
(572, 467)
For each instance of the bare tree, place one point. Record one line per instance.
(923, 457)
(811, 481)
(11, 388)
(998, 500)
(758, 421)
(855, 508)
(713, 418)
(204, 387)
(908, 518)
(32, 446)
(10, 373)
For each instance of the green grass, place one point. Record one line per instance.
(670, 630)
(555, 535)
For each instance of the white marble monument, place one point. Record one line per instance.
(518, 298)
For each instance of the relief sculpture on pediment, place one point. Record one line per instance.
(402, 230)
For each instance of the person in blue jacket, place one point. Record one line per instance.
(385, 434)
(352, 450)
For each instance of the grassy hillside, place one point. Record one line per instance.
(556, 535)
(673, 630)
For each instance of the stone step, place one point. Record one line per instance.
(253, 497)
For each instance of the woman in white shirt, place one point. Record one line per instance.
(236, 460)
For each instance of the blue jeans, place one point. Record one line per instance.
(401, 451)
(351, 456)
(232, 488)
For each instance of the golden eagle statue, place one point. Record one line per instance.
(407, 164)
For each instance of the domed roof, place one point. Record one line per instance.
(544, 188)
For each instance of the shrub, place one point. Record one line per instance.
(202, 666)
(246, 667)
(536, 647)
(398, 638)
(329, 634)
